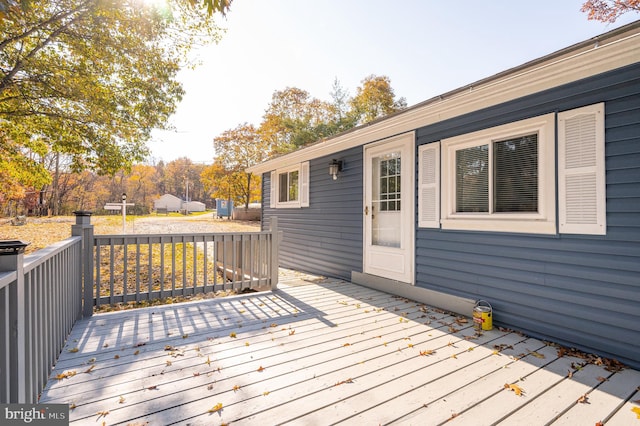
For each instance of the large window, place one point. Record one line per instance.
(501, 178)
(498, 177)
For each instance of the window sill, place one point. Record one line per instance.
(501, 224)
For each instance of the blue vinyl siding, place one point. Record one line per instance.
(326, 237)
(579, 290)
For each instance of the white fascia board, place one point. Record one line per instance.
(490, 92)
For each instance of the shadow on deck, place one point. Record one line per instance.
(323, 351)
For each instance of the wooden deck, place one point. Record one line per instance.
(320, 352)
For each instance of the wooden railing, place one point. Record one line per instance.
(43, 294)
(40, 300)
(137, 268)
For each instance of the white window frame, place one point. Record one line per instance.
(303, 187)
(542, 222)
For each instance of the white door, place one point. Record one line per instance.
(389, 208)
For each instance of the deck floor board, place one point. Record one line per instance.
(322, 351)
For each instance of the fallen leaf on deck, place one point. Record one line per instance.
(599, 424)
(637, 411)
(347, 344)
(236, 388)
(72, 406)
(349, 380)
(196, 374)
(537, 354)
(215, 408)
(410, 345)
(260, 369)
(292, 332)
(570, 374)
(66, 375)
(74, 350)
(246, 343)
(91, 361)
(602, 379)
(121, 400)
(454, 356)
(515, 388)
(137, 345)
(116, 356)
(232, 334)
(88, 370)
(168, 363)
(184, 336)
(265, 393)
(583, 399)
(495, 352)
(452, 329)
(273, 324)
(470, 349)
(102, 414)
(208, 361)
(136, 352)
(427, 352)
(154, 387)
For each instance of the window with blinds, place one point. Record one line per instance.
(501, 178)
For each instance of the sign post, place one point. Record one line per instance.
(122, 207)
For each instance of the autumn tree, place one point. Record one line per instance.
(375, 99)
(293, 119)
(236, 150)
(609, 10)
(90, 79)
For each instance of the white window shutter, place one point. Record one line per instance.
(272, 189)
(304, 184)
(581, 171)
(429, 185)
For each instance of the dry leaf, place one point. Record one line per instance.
(637, 411)
(215, 408)
(136, 352)
(347, 344)
(570, 374)
(260, 369)
(537, 354)
(88, 370)
(232, 334)
(121, 400)
(152, 387)
(515, 388)
(184, 336)
(74, 350)
(495, 352)
(246, 343)
(116, 356)
(168, 363)
(292, 332)
(583, 399)
(208, 361)
(273, 324)
(349, 380)
(72, 406)
(102, 414)
(601, 379)
(236, 388)
(265, 393)
(427, 352)
(410, 345)
(66, 375)
(454, 356)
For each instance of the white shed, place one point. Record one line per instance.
(194, 206)
(169, 202)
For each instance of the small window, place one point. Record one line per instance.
(290, 187)
(501, 179)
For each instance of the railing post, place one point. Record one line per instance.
(275, 243)
(84, 229)
(12, 259)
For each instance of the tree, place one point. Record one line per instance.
(375, 99)
(294, 119)
(236, 150)
(609, 10)
(90, 79)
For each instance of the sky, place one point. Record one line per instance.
(425, 47)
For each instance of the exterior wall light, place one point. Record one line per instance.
(335, 166)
